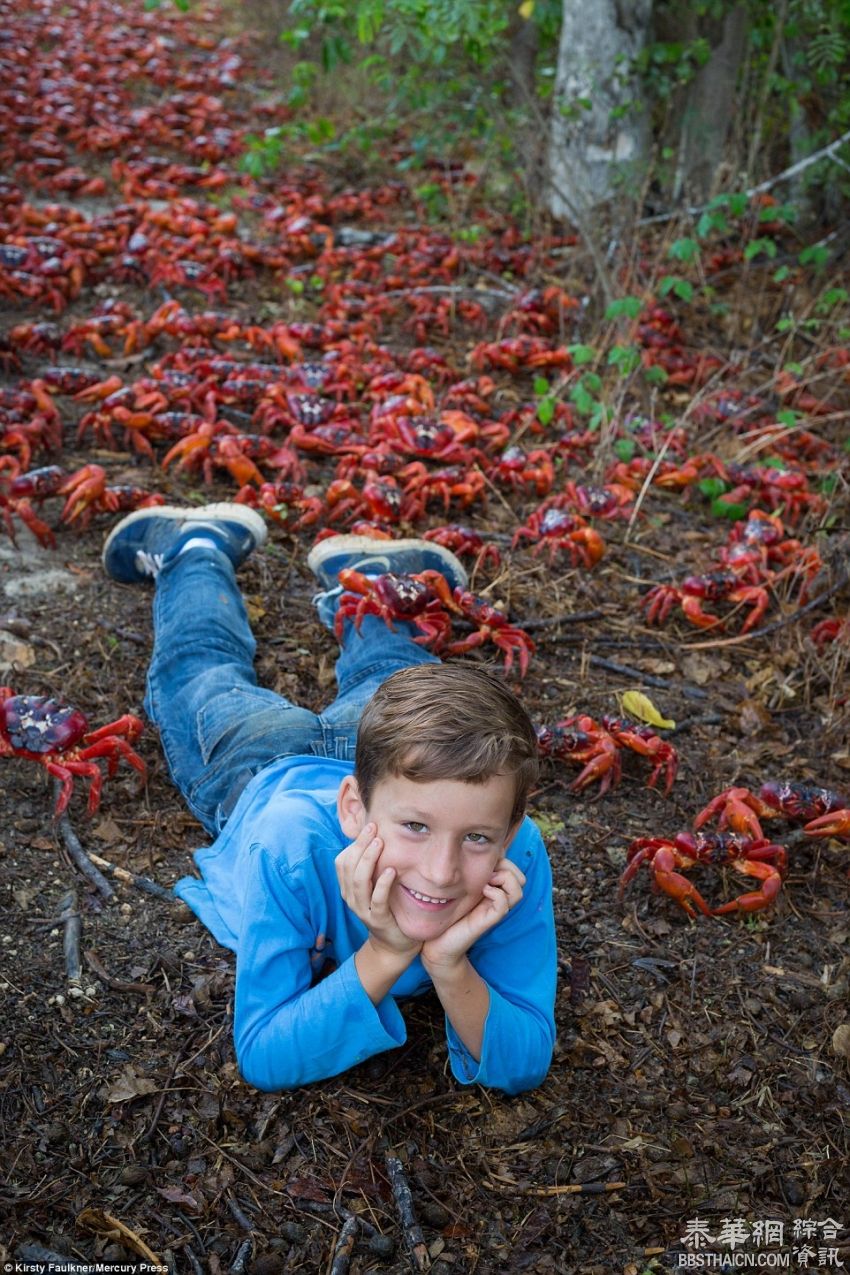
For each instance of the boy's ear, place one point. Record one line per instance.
(350, 809)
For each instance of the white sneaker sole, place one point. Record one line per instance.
(368, 546)
(246, 517)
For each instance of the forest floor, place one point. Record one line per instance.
(697, 1087)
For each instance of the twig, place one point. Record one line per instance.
(455, 290)
(70, 917)
(117, 984)
(709, 719)
(572, 1188)
(777, 624)
(690, 692)
(578, 617)
(78, 855)
(241, 1258)
(244, 1221)
(344, 1246)
(413, 1237)
(195, 1264)
(132, 878)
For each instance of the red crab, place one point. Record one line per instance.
(424, 599)
(557, 530)
(598, 745)
(749, 856)
(55, 734)
(822, 812)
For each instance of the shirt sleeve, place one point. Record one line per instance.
(287, 1033)
(518, 961)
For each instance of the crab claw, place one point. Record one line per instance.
(739, 809)
(836, 824)
(770, 878)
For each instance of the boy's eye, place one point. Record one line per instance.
(413, 826)
(479, 838)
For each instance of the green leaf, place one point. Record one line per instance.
(832, 298)
(656, 375)
(683, 250)
(757, 246)
(625, 448)
(784, 325)
(710, 221)
(545, 410)
(815, 255)
(584, 401)
(796, 369)
(712, 487)
(781, 274)
(773, 462)
(721, 508)
(581, 354)
(540, 385)
(629, 306)
(624, 357)
(787, 416)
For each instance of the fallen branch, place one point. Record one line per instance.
(578, 617)
(70, 917)
(243, 1253)
(79, 858)
(708, 719)
(690, 692)
(413, 1237)
(345, 1246)
(117, 984)
(571, 1188)
(131, 878)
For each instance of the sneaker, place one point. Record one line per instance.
(374, 558)
(136, 550)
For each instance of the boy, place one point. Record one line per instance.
(413, 868)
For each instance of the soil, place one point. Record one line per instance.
(699, 1071)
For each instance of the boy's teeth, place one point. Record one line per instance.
(426, 898)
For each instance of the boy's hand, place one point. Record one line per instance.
(502, 892)
(355, 870)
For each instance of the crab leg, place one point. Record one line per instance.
(771, 880)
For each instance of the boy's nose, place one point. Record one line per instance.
(441, 865)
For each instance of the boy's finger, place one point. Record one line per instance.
(381, 892)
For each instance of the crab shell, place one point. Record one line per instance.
(39, 724)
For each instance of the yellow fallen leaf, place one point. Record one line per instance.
(526, 9)
(642, 707)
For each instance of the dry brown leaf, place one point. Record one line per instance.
(129, 1085)
(107, 830)
(753, 718)
(110, 1227)
(14, 652)
(841, 1040)
(176, 1195)
(699, 668)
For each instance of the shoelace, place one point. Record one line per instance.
(150, 564)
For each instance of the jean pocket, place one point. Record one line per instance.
(254, 721)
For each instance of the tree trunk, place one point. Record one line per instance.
(600, 131)
(710, 108)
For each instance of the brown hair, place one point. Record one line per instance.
(444, 721)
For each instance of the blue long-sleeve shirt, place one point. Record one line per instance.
(269, 891)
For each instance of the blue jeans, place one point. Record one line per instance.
(218, 727)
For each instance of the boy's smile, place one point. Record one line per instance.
(443, 838)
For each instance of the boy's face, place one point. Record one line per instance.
(444, 839)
